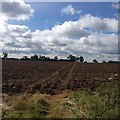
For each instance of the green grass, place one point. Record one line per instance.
(102, 103)
(29, 108)
(67, 105)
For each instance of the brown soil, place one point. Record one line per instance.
(53, 77)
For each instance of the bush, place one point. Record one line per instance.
(101, 104)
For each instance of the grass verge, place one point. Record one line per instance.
(102, 103)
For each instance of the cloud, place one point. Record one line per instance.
(15, 37)
(70, 29)
(19, 31)
(81, 27)
(3, 27)
(69, 10)
(16, 9)
(48, 43)
(116, 5)
(100, 24)
(73, 37)
(100, 43)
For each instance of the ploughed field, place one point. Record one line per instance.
(54, 77)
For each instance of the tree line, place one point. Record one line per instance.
(70, 57)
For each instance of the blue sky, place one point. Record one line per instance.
(72, 0)
(87, 29)
(46, 15)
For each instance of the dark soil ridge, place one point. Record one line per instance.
(55, 82)
(55, 77)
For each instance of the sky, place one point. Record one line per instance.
(72, 0)
(87, 29)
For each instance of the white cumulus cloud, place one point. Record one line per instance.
(70, 10)
(16, 9)
(96, 23)
(116, 5)
(86, 36)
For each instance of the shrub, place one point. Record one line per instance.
(103, 103)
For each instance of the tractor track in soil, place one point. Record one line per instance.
(68, 77)
(53, 77)
(55, 82)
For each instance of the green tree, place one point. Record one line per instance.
(81, 59)
(55, 58)
(103, 61)
(35, 57)
(95, 61)
(71, 57)
(5, 55)
(25, 58)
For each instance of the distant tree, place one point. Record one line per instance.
(113, 61)
(55, 58)
(103, 61)
(35, 57)
(5, 55)
(47, 58)
(39, 57)
(71, 57)
(25, 58)
(78, 58)
(42, 58)
(81, 59)
(95, 61)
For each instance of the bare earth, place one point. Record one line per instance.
(53, 77)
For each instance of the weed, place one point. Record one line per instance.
(67, 105)
(102, 104)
